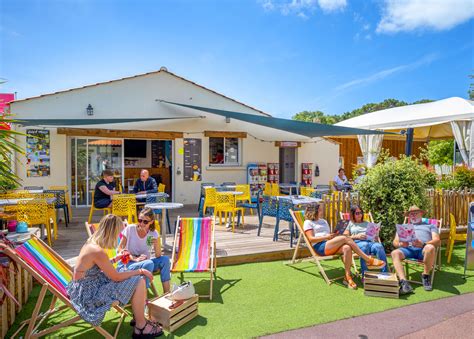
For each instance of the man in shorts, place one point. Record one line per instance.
(423, 249)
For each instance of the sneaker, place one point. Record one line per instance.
(405, 287)
(426, 278)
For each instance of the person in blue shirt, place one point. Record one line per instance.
(145, 184)
(423, 248)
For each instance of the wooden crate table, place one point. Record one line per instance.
(171, 319)
(380, 284)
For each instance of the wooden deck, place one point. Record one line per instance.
(232, 248)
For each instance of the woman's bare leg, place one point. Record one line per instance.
(334, 244)
(346, 252)
(138, 304)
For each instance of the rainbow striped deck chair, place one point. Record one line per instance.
(50, 270)
(298, 218)
(194, 248)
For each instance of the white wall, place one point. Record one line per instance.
(323, 153)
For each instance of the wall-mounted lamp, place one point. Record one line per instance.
(90, 110)
(227, 120)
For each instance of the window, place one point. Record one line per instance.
(224, 151)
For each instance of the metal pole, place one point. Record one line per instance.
(409, 142)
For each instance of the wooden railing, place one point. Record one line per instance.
(442, 203)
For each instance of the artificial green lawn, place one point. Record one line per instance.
(262, 298)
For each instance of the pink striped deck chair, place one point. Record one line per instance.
(194, 248)
(50, 270)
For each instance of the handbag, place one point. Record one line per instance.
(183, 291)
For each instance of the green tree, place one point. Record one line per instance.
(318, 116)
(8, 179)
(441, 152)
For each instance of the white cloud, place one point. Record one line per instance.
(427, 59)
(332, 5)
(302, 8)
(409, 15)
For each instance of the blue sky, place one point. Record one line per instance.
(279, 56)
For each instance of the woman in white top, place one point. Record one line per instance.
(326, 243)
(138, 240)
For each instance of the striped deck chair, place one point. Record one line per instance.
(347, 216)
(194, 248)
(298, 217)
(53, 273)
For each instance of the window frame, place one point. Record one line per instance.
(239, 153)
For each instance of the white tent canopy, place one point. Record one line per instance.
(447, 118)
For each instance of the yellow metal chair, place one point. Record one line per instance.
(51, 208)
(33, 213)
(244, 197)
(225, 203)
(161, 188)
(125, 205)
(306, 191)
(93, 208)
(453, 237)
(68, 198)
(210, 198)
(275, 190)
(267, 190)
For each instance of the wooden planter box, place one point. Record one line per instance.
(20, 285)
(172, 319)
(378, 284)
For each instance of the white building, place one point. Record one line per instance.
(83, 142)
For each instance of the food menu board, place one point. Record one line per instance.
(192, 159)
(37, 153)
(256, 177)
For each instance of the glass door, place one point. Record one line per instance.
(89, 158)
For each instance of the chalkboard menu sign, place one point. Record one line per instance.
(157, 153)
(192, 159)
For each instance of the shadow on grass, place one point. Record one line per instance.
(202, 286)
(331, 271)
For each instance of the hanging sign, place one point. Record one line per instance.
(37, 153)
(287, 144)
(192, 159)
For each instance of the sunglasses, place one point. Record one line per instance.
(145, 222)
(358, 213)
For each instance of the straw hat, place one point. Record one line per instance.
(414, 208)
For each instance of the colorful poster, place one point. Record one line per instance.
(5, 98)
(192, 159)
(37, 153)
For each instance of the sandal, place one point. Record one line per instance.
(349, 282)
(156, 331)
(377, 263)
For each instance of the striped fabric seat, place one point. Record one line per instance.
(194, 247)
(53, 273)
(53, 270)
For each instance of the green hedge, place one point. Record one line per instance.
(390, 188)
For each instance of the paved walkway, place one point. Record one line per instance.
(443, 318)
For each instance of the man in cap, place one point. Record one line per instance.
(423, 248)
